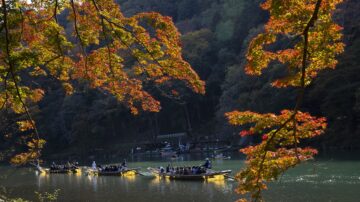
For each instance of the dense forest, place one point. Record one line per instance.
(215, 37)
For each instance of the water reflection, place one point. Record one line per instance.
(130, 178)
(330, 181)
(93, 182)
(165, 186)
(58, 180)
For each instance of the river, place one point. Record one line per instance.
(325, 179)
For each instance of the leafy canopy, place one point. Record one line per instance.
(106, 50)
(288, 20)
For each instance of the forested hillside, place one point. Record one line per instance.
(215, 37)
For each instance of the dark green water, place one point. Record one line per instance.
(322, 180)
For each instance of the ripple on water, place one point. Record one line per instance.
(317, 179)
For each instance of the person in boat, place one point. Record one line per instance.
(67, 165)
(53, 166)
(110, 168)
(74, 165)
(207, 164)
(168, 168)
(198, 170)
(162, 170)
(124, 164)
(93, 165)
(188, 170)
(38, 167)
(193, 170)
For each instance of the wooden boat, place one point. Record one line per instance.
(59, 171)
(123, 172)
(167, 151)
(208, 176)
(221, 157)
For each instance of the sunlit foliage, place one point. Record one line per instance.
(314, 41)
(290, 19)
(105, 50)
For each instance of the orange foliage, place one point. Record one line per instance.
(134, 51)
(314, 42)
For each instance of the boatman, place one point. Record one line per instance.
(168, 168)
(124, 164)
(207, 164)
(162, 170)
(53, 166)
(93, 166)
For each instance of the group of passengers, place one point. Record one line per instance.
(66, 166)
(110, 168)
(187, 170)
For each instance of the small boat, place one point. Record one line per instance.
(59, 171)
(208, 176)
(174, 157)
(221, 157)
(167, 151)
(71, 170)
(126, 172)
(119, 172)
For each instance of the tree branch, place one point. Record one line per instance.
(11, 71)
(82, 45)
(300, 94)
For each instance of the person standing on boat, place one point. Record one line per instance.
(67, 165)
(168, 168)
(53, 166)
(93, 165)
(124, 164)
(162, 170)
(207, 164)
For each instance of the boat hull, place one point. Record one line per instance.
(61, 171)
(129, 172)
(215, 175)
(200, 177)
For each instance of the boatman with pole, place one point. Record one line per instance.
(207, 164)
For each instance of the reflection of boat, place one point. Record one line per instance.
(210, 175)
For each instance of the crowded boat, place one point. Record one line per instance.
(202, 172)
(54, 168)
(111, 170)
